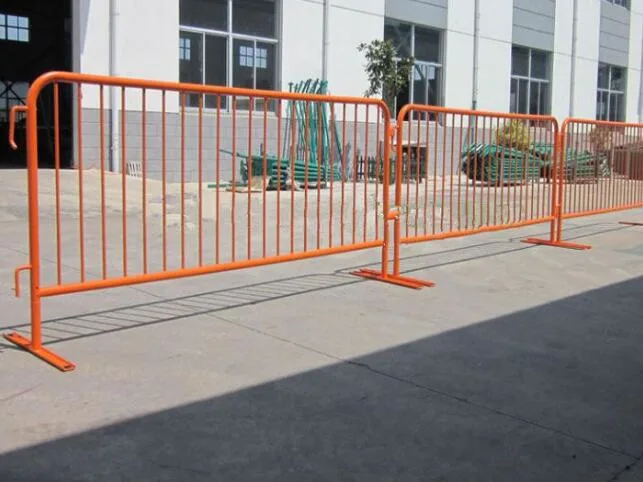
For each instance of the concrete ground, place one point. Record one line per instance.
(524, 363)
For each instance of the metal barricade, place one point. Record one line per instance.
(461, 172)
(601, 169)
(162, 220)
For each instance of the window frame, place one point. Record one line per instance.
(531, 81)
(438, 66)
(608, 91)
(620, 3)
(230, 37)
(18, 27)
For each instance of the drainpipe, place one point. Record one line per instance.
(114, 161)
(572, 83)
(325, 40)
(476, 49)
(640, 111)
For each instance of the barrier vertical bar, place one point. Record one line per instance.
(558, 195)
(34, 344)
(393, 215)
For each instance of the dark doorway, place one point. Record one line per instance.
(35, 37)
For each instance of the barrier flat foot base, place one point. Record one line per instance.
(556, 244)
(42, 353)
(627, 223)
(404, 281)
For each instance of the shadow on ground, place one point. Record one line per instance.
(64, 329)
(547, 394)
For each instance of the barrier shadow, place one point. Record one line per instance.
(102, 322)
(547, 394)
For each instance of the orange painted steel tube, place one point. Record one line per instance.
(481, 218)
(34, 219)
(470, 232)
(57, 184)
(12, 124)
(249, 164)
(200, 177)
(332, 174)
(81, 169)
(103, 213)
(164, 175)
(279, 159)
(618, 197)
(123, 176)
(34, 345)
(92, 285)
(594, 212)
(144, 173)
(182, 97)
(16, 278)
(264, 180)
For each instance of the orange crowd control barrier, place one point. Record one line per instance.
(601, 169)
(311, 175)
(462, 172)
(136, 226)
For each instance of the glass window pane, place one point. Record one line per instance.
(539, 65)
(12, 33)
(616, 107)
(523, 96)
(520, 61)
(427, 45)
(603, 76)
(211, 14)
(3, 33)
(513, 96)
(400, 34)
(618, 79)
(3, 19)
(23, 22)
(23, 35)
(534, 100)
(544, 107)
(242, 73)
(191, 62)
(433, 76)
(216, 66)
(254, 17)
(601, 106)
(419, 84)
(12, 20)
(265, 56)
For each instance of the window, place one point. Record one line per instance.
(11, 94)
(425, 46)
(230, 43)
(184, 48)
(14, 28)
(610, 97)
(622, 3)
(530, 83)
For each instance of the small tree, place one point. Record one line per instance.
(386, 76)
(514, 134)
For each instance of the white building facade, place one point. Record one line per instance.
(577, 58)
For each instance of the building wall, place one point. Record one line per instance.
(147, 47)
(432, 13)
(586, 62)
(634, 63)
(614, 34)
(496, 28)
(534, 23)
(562, 59)
(458, 83)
